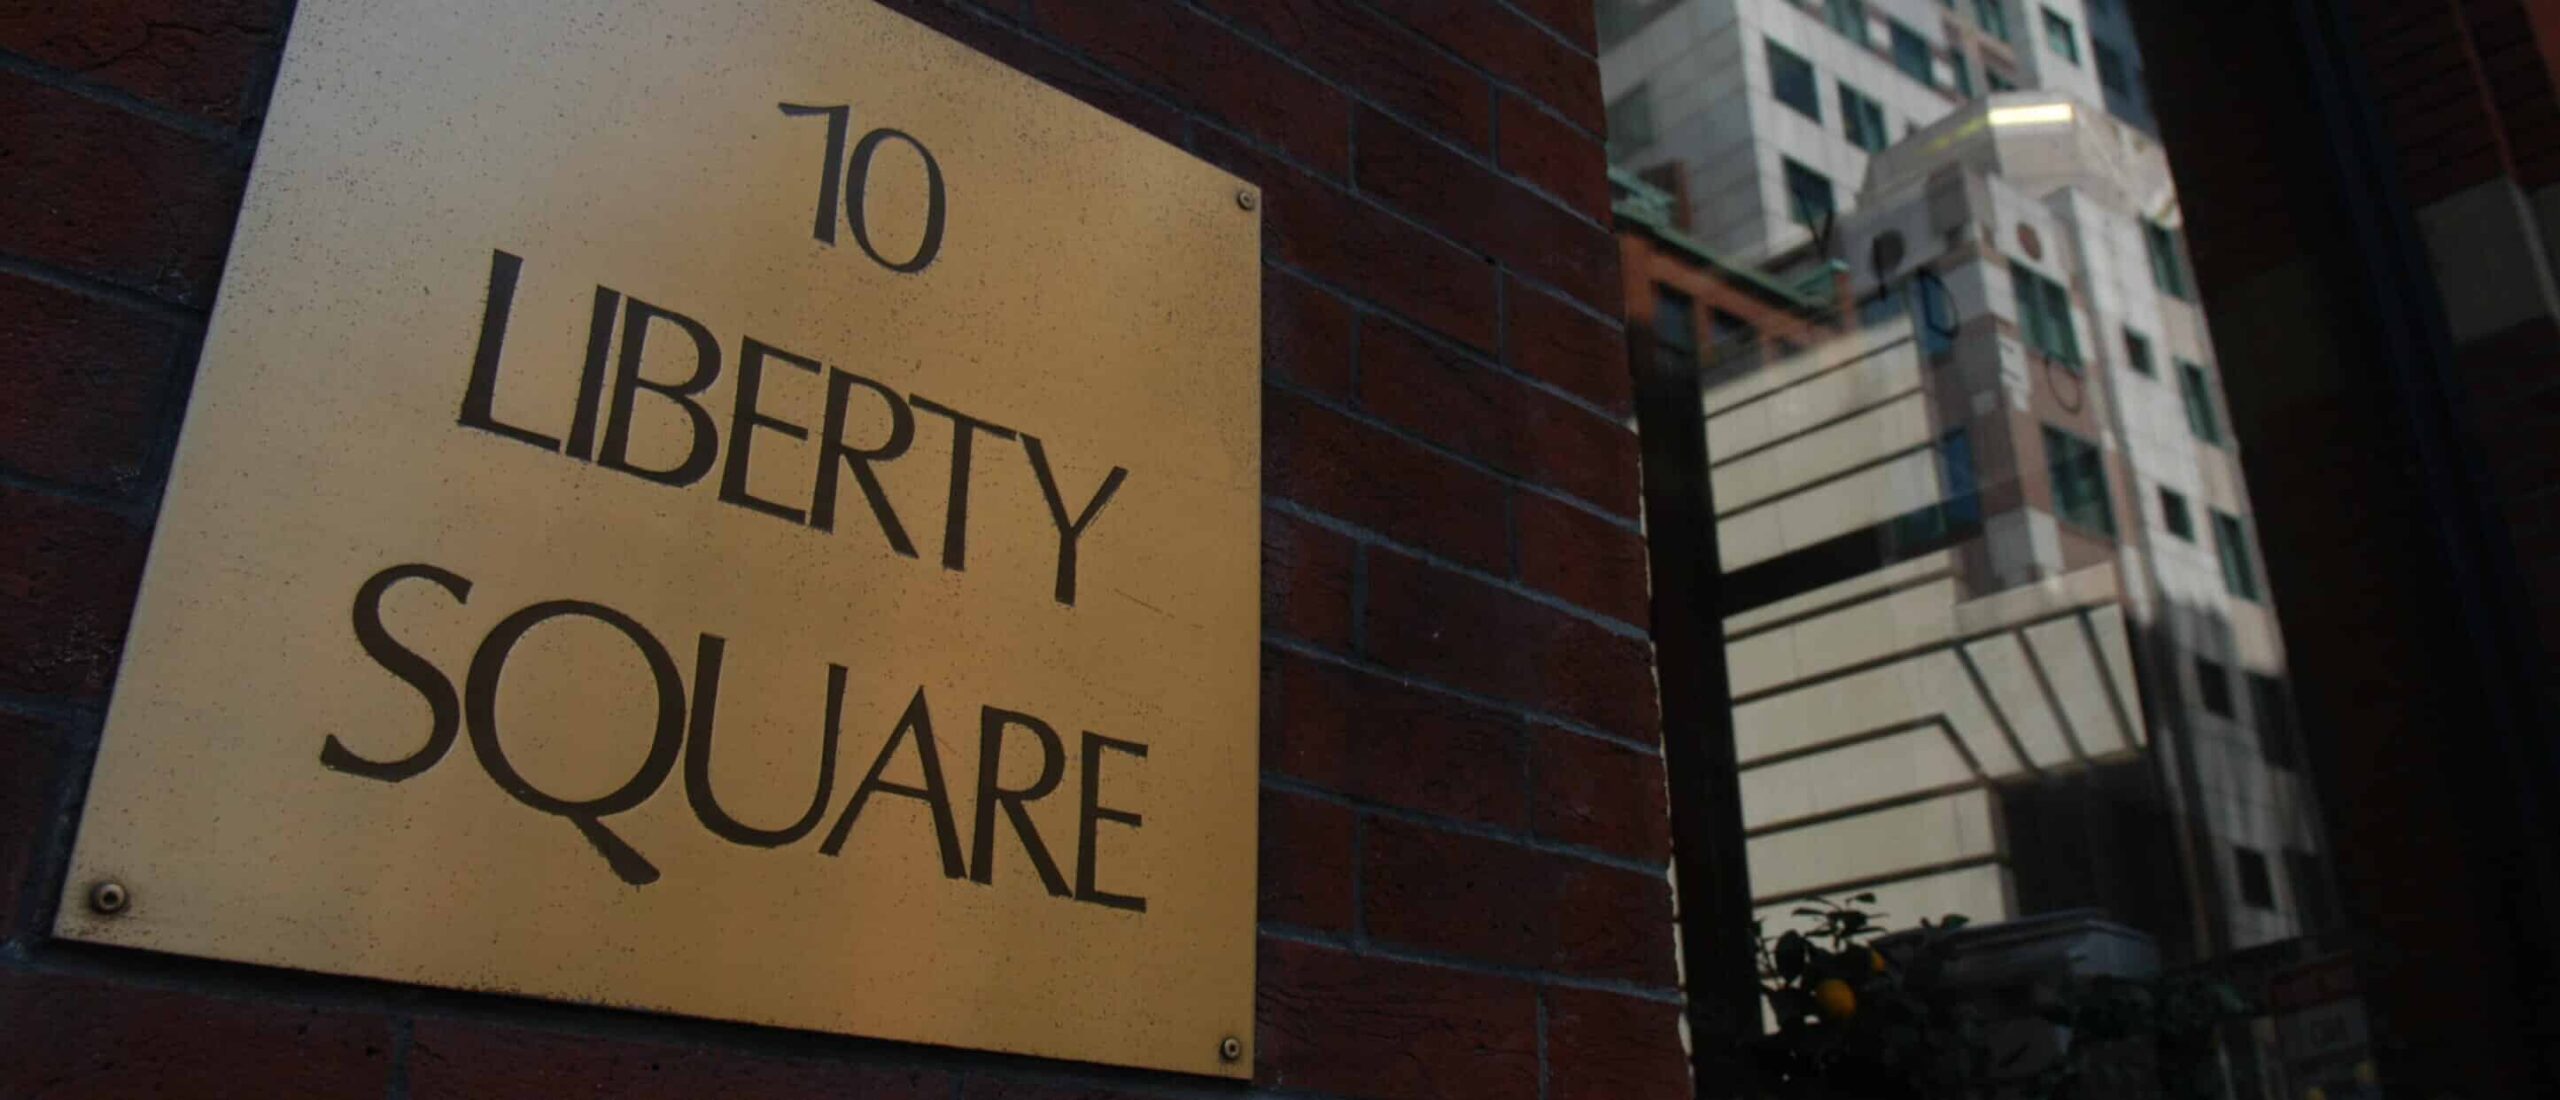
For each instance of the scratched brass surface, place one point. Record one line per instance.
(1095, 288)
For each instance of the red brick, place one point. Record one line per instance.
(79, 1038)
(1306, 581)
(1372, 739)
(464, 1060)
(106, 193)
(1602, 1046)
(1453, 894)
(1491, 37)
(1306, 862)
(1457, 630)
(1567, 162)
(28, 764)
(1567, 348)
(1480, 209)
(1613, 923)
(1311, 225)
(78, 403)
(196, 56)
(1582, 558)
(1389, 62)
(1519, 429)
(67, 575)
(1045, 63)
(1331, 1022)
(1598, 795)
(1572, 18)
(1191, 59)
(1323, 460)
(1306, 334)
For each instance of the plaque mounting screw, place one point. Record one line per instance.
(109, 897)
(1247, 200)
(1232, 1048)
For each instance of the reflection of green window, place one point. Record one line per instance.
(1849, 17)
(2199, 394)
(2044, 316)
(2061, 37)
(1994, 19)
(2137, 353)
(1862, 119)
(2173, 515)
(1791, 80)
(2168, 272)
(2231, 539)
(1955, 468)
(2079, 472)
(1911, 54)
(1808, 195)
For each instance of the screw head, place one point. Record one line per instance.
(1247, 200)
(109, 897)
(1230, 1048)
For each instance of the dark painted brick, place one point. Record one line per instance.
(1189, 58)
(1306, 581)
(67, 576)
(1306, 862)
(1513, 49)
(1550, 152)
(196, 56)
(1575, 19)
(106, 193)
(1045, 63)
(1613, 923)
(1306, 334)
(1514, 427)
(1602, 1046)
(1457, 630)
(1582, 558)
(1452, 894)
(1337, 1023)
(1326, 461)
(1370, 738)
(28, 764)
(1598, 795)
(1567, 348)
(69, 1037)
(79, 397)
(989, 1088)
(1385, 60)
(465, 1060)
(1479, 208)
(1349, 243)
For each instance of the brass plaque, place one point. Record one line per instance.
(748, 510)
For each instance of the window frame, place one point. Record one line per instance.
(2044, 315)
(1849, 19)
(1781, 58)
(1993, 18)
(1791, 169)
(2253, 887)
(2231, 546)
(1621, 138)
(2168, 263)
(2175, 517)
(2137, 353)
(1862, 112)
(2081, 465)
(2195, 388)
(2213, 684)
(2061, 36)
(1903, 37)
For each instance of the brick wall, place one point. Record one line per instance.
(1462, 814)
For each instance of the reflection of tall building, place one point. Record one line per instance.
(1996, 627)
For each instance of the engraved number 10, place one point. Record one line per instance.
(852, 180)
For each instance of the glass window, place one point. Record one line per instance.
(2173, 515)
(1911, 54)
(2061, 37)
(1808, 195)
(2231, 540)
(2274, 720)
(1849, 17)
(1675, 329)
(2079, 472)
(1997, 81)
(2257, 887)
(2137, 353)
(1993, 17)
(2213, 687)
(1955, 471)
(2198, 390)
(1862, 119)
(1619, 19)
(2168, 271)
(2310, 883)
(2111, 71)
(1630, 122)
(1791, 80)
(2044, 316)
(1935, 311)
(1961, 74)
